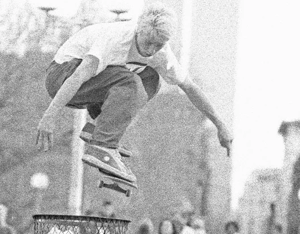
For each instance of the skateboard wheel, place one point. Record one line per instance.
(128, 192)
(101, 184)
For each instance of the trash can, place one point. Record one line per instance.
(68, 224)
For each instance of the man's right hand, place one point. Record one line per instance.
(225, 139)
(44, 139)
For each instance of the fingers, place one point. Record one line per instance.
(228, 146)
(44, 140)
(40, 140)
(228, 151)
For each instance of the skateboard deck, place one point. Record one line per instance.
(117, 184)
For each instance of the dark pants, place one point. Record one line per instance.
(114, 96)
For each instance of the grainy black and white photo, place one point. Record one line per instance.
(149, 117)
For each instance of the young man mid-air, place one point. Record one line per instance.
(113, 69)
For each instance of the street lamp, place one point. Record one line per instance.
(40, 182)
(118, 12)
(125, 9)
(47, 9)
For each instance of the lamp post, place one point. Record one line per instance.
(75, 194)
(47, 9)
(125, 9)
(77, 170)
(40, 182)
(118, 12)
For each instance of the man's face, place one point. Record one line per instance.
(147, 46)
(231, 230)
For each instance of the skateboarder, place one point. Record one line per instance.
(112, 70)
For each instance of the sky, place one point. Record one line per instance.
(267, 81)
(267, 85)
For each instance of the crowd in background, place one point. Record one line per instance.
(181, 222)
(184, 222)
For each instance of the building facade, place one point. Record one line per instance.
(262, 191)
(290, 214)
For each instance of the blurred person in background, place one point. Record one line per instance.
(145, 227)
(113, 70)
(184, 212)
(183, 216)
(198, 225)
(187, 215)
(166, 226)
(232, 227)
(187, 229)
(108, 210)
(5, 228)
(178, 222)
(89, 213)
(278, 229)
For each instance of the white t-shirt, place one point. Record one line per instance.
(114, 44)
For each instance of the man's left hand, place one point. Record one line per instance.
(225, 139)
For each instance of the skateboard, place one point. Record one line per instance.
(117, 184)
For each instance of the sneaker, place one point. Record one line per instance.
(86, 135)
(107, 161)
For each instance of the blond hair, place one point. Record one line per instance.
(158, 21)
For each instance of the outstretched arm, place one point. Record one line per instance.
(84, 72)
(198, 98)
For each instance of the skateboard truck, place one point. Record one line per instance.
(115, 185)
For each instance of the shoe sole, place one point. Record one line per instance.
(103, 167)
